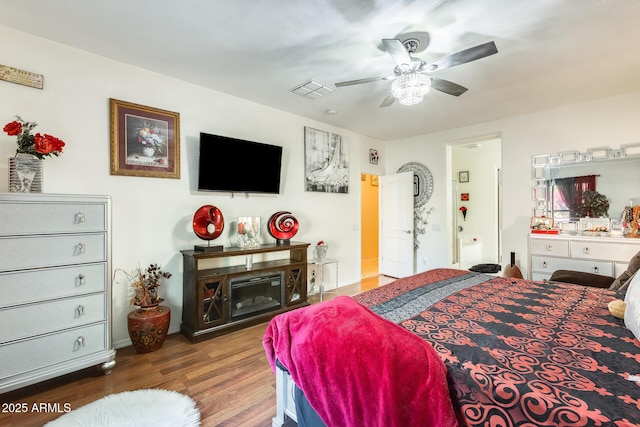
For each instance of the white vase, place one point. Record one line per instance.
(25, 174)
(321, 251)
(148, 151)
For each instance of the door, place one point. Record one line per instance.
(396, 208)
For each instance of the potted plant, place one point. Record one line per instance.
(595, 205)
(148, 323)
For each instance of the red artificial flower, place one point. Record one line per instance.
(14, 128)
(47, 144)
(463, 208)
(56, 143)
(41, 144)
(321, 242)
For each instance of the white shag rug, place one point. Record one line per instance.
(139, 408)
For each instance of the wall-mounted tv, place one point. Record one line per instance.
(237, 165)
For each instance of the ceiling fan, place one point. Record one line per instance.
(411, 76)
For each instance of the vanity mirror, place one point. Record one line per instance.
(613, 173)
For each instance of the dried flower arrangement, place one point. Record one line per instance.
(145, 284)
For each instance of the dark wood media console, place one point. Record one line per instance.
(240, 292)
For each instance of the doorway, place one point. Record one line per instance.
(476, 202)
(369, 245)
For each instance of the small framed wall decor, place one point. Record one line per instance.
(463, 176)
(145, 141)
(464, 197)
(373, 156)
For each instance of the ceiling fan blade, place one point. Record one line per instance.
(447, 87)
(390, 99)
(464, 56)
(360, 81)
(397, 51)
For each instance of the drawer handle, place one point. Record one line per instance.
(549, 248)
(80, 311)
(80, 218)
(585, 250)
(81, 280)
(544, 264)
(79, 343)
(596, 270)
(80, 248)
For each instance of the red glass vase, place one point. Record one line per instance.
(148, 327)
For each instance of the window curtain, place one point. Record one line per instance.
(571, 189)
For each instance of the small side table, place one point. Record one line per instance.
(321, 263)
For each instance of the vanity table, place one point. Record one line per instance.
(615, 171)
(608, 256)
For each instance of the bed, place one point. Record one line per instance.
(516, 352)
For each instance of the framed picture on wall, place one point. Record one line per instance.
(373, 156)
(145, 141)
(463, 176)
(326, 162)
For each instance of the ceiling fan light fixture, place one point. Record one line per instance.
(410, 88)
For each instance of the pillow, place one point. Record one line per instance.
(623, 288)
(632, 312)
(617, 308)
(581, 278)
(634, 265)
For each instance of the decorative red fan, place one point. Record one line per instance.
(282, 226)
(208, 224)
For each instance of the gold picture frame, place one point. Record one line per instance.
(145, 141)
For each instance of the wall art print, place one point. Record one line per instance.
(145, 141)
(326, 164)
(373, 156)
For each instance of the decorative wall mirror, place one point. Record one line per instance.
(613, 173)
(422, 190)
(422, 182)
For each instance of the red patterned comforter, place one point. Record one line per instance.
(521, 353)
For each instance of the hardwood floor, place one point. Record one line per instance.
(227, 376)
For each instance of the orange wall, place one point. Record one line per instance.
(369, 217)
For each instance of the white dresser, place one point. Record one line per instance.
(608, 256)
(55, 286)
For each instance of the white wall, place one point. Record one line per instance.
(606, 122)
(152, 216)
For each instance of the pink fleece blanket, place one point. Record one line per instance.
(359, 369)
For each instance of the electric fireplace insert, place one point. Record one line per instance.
(255, 294)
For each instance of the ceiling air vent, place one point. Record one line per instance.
(311, 90)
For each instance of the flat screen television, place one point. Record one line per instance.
(237, 165)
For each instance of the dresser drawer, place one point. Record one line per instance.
(21, 287)
(549, 247)
(602, 250)
(36, 319)
(29, 355)
(47, 251)
(20, 218)
(540, 276)
(547, 265)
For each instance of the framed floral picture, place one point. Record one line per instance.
(145, 141)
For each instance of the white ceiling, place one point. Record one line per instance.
(551, 52)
